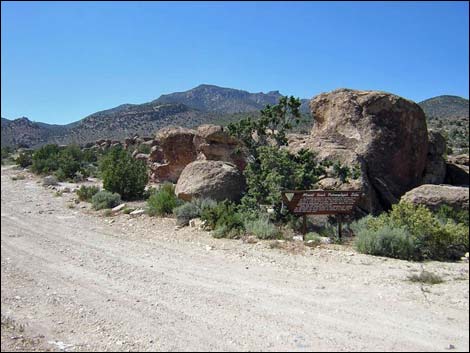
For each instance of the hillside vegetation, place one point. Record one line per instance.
(449, 115)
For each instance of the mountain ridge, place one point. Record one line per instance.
(205, 103)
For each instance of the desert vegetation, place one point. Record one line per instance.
(123, 174)
(405, 232)
(414, 233)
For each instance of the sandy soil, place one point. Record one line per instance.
(74, 280)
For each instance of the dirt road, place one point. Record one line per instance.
(79, 281)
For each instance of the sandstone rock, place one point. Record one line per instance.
(137, 212)
(64, 189)
(435, 170)
(384, 134)
(50, 180)
(196, 223)
(434, 196)
(142, 156)
(457, 174)
(212, 142)
(210, 179)
(215, 133)
(178, 150)
(156, 154)
(327, 149)
(118, 208)
(461, 159)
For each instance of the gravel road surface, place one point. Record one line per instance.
(75, 280)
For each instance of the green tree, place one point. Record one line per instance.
(272, 168)
(123, 174)
(271, 128)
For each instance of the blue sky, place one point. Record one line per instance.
(63, 61)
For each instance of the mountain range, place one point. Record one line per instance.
(202, 104)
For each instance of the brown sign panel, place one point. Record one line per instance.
(320, 202)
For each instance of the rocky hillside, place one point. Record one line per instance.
(220, 100)
(203, 104)
(24, 132)
(450, 116)
(445, 107)
(210, 98)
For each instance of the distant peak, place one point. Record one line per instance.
(205, 85)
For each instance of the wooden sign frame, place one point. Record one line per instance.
(321, 202)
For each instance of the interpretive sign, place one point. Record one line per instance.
(320, 202)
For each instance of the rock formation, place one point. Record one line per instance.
(385, 135)
(435, 171)
(434, 196)
(210, 179)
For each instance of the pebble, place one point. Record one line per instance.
(119, 208)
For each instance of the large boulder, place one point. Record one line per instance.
(384, 134)
(329, 150)
(457, 174)
(210, 179)
(176, 144)
(435, 171)
(213, 142)
(434, 196)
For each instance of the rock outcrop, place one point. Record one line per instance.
(435, 171)
(210, 179)
(212, 142)
(176, 145)
(385, 135)
(460, 159)
(457, 174)
(434, 196)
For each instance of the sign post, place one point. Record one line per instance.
(320, 202)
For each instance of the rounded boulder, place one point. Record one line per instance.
(210, 179)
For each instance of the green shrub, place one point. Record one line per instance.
(25, 159)
(85, 193)
(446, 213)
(105, 199)
(149, 192)
(128, 210)
(186, 212)
(204, 203)
(386, 241)
(64, 162)
(315, 238)
(430, 238)
(225, 231)
(262, 228)
(45, 159)
(6, 152)
(123, 174)
(144, 148)
(193, 209)
(224, 219)
(163, 201)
